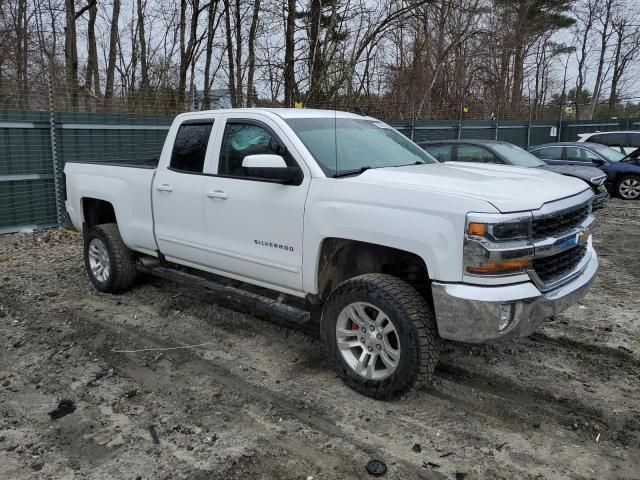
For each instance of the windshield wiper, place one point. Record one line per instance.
(355, 171)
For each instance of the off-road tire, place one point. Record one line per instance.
(122, 260)
(413, 318)
(619, 185)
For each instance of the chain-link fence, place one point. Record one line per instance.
(47, 126)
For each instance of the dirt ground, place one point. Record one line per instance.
(256, 400)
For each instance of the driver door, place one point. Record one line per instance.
(253, 226)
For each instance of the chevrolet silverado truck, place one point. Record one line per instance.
(342, 214)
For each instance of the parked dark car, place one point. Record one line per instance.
(493, 151)
(623, 172)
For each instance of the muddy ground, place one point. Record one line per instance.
(257, 400)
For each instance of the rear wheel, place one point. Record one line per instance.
(111, 266)
(380, 335)
(629, 187)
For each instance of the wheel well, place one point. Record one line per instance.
(342, 259)
(97, 212)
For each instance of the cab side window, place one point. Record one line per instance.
(240, 140)
(190, 146)
(473, 153)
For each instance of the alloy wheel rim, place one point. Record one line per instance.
(368, 340)
(99, 260)
(630, 188)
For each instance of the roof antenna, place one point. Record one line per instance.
(358, 111)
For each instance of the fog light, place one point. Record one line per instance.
(506, 315)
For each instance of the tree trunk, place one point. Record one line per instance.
(92, 76)
(315, 57)
(113, 46)
(21, 53)
(289, 52)
(71, 53)
(144, 74)
(238, 35)
(232, 85)
(604, 39)
(211, 31)
(251, 61)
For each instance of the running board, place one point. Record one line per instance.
(253, 302)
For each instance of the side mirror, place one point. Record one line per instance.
(598, 161)
(271, 168)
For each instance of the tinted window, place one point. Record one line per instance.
(190, 146)
(577, 154)
(442, 153)
(473, 153)
(610, 139)
(549, 153)
(240, 140)
(634, 140)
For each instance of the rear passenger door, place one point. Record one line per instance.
(178, 194)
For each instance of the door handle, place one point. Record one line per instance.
(217, 194)
(164, 188)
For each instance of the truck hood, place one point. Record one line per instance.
(583, 173)
(507, 188)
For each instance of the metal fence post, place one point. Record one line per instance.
(413, 122)
(460, 122)
(559, 138)
(57, 180)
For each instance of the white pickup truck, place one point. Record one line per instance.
(393, 248)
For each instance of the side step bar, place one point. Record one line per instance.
(252, 302)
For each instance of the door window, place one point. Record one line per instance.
(634, 140)
(549, 153)
(242, 139)
(615, 140)
(442, 153)
(577, 154)
(190, 147)
(473, 153)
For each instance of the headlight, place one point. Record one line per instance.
(500, 232)
(498, 244)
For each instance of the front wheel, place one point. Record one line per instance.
(380, 335)
(629, 187)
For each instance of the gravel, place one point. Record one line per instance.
(564, 403)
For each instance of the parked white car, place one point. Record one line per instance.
(394, 248)
(623, 141)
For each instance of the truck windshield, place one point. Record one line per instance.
(342, 145)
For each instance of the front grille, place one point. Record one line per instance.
(556, 266)
(553, 225)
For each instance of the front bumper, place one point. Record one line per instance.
(600, 198)
(478, 314)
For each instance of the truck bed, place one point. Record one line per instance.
(126, 185)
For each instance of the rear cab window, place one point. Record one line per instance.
(190, 146)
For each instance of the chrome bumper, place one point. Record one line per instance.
(479, 314)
